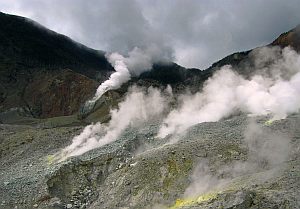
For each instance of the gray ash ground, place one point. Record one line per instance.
(141, 171)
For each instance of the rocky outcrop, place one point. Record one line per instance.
(290, 38)
(57, 94)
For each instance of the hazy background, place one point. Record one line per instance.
(194, 33)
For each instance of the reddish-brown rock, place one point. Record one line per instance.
(58, 93)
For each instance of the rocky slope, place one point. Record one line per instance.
(141, 171)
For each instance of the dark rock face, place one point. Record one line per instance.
(33, 67)
(25, 43)
(291, 38)
(51, 95)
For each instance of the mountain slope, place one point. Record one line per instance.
(182, 79)
(33, 64)
(34, 61)
(25, 43)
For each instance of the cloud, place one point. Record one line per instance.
(192, 33)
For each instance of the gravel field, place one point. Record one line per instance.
(142, 171)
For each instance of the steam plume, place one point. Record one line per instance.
(226, 92)
(116, 79)
(137, 62)
(137, 108)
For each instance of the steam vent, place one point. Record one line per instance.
(149, 104)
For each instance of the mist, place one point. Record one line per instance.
(202, 181)
(266, 149)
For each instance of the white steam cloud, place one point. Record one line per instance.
(227, 92)
(137, 108)
(116, 79)
(138, 61)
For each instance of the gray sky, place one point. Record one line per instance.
(194, 33)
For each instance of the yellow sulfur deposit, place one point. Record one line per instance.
(183, 202)
(206, 197)
(192, 201)
(50, 159)
(269, 122)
